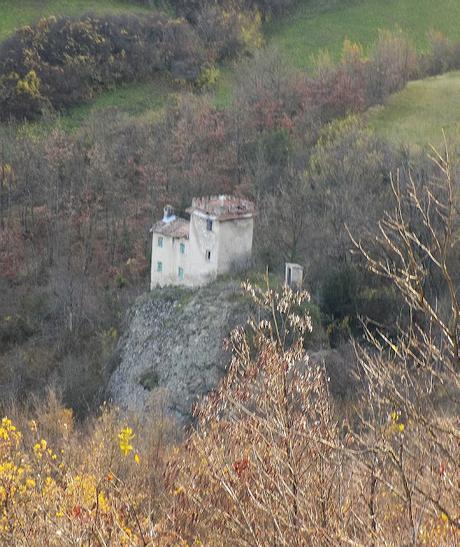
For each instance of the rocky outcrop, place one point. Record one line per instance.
(173, 346)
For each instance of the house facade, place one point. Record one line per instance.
(216, 240)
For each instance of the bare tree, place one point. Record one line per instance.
(410, 423)
(265, 441)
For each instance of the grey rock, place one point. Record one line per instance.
(174, 345)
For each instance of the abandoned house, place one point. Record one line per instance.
(216, 240)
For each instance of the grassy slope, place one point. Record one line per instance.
(324, 24)
(418, 114)
(134, 99)
(317, 25)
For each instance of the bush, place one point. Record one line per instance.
(357, 82)
(392, 64)
(14, 329)
(442, 55)
(228, 31)
(61, 62)
(63, 484)
(191, 9)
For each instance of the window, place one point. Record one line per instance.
(182, 248)
(160, 242)
(208, 256)
(180, 273)
(209, 225)
(159, 267)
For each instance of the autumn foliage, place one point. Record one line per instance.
(63, 486)
(270, 460)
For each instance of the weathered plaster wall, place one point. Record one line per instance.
(171, 258)
(201, 270)
(235, 244)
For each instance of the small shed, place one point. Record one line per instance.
(293, 276)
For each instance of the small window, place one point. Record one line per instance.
(159, 266)
(180, 273)
(208, 256)
(182, 248)
(209, 225)
(160, 242)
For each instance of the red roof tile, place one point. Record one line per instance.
(176, 228)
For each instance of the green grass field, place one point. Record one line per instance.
(137, 99)
(324, 24)
(418, 114)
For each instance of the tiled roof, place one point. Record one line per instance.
(223, 207)
(176, 228)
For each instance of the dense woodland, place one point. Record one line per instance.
(274, 457)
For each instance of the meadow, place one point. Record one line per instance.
(418, 114)
(135, 99)
(323, 26)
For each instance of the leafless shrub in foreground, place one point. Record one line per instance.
(262, 466)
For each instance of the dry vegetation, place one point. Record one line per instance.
(272, 457)
(270, 460)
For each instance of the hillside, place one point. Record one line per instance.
(319, 26)
(314, 26)
(135, 98)
(310, 28)
(141, 407)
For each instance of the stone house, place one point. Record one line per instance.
(216, 240)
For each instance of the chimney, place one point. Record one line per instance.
(168, 214)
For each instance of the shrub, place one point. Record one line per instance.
(209, 76)
(60, 62)
(392, 64)
(63, 484)
(336, 90)
(14, 329)
(191, 8)
(228, 31)
(442, 55)
(247, 475)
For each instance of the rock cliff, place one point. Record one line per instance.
(173, 346)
